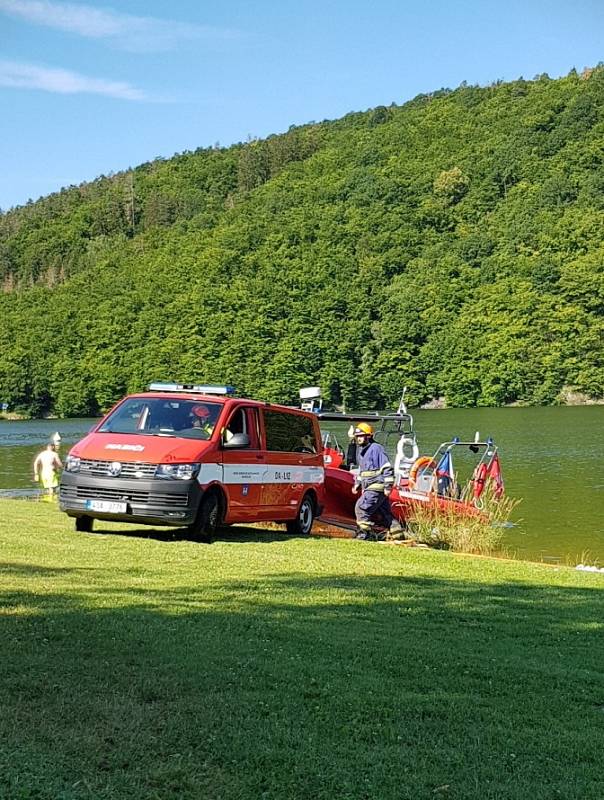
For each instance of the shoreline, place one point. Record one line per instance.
(570, 400)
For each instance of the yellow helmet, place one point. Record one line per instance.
(363, 429)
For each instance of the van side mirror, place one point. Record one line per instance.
(237, 440)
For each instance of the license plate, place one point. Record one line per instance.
(107, 506)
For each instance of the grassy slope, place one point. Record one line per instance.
(268, 667)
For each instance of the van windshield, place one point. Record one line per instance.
(164, 416)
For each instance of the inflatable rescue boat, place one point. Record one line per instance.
(452, 480)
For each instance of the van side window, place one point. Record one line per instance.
(290, 433)
(243, 420)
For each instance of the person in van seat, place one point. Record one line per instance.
(308, 446)
(202, 419)
(375, 480)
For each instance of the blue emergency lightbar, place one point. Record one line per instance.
(192, 388)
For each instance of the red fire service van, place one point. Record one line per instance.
(196, 456)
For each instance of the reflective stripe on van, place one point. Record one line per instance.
(259, 473)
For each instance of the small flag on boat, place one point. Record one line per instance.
(495, 476)
(444, 468)
(444, 474)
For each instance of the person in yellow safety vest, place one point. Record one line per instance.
(375, 480)
(201, 419)
(46, 468)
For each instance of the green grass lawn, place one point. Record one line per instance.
(140, 665)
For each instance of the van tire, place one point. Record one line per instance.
(209, 517)
(84, 524)
(302, 524)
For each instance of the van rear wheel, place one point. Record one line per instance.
(302, 524)
(208, 518)
(84, 524)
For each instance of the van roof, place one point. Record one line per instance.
(222, 399)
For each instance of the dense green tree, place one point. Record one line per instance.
(452, 244)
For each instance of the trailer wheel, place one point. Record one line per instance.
(209, 518)
(302, 524)
(84, 524)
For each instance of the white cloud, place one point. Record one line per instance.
(126, 31)
(19, 75)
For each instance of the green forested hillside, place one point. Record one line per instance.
(454, 245)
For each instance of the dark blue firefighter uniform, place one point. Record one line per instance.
(375, 474)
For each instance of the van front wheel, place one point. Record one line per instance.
(84, 524)
(302, 524)
(208, 518)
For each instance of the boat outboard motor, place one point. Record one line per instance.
(407, 453)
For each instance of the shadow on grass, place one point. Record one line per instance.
(238, 533)
(338, 686)
(30, 570)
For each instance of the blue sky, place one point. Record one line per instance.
(89, 88)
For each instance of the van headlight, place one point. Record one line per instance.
(72, 464)
(182, 472)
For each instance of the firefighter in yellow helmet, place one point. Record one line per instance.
(375, 480)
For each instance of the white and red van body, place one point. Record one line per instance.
(199, 457)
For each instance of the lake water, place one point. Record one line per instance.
(552, 460)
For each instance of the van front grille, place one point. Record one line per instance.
(157, 499)
(129, 469)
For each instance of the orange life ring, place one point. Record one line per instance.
(420, 464)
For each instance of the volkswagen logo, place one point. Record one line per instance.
(115, 468)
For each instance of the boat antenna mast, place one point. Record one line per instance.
(402, 407)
